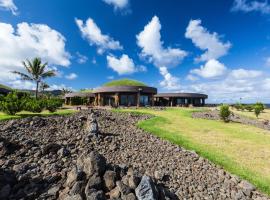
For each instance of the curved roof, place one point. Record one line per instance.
(124, 82)
(125, 88)
(187, 95)
(80, 94)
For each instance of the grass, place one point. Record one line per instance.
(24, 114)
(126, 82)
(265, 115)
(240, 149)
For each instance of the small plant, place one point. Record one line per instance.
(257, 110)
(224, 113)
(11, 104)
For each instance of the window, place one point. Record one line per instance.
(127, 100)
(144, 100)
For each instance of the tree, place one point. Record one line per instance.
(224, 112)
(66, 91)
(44, 86)
(257, 110)
(36, 71)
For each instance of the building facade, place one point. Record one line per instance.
(180, 99)
(125, 96)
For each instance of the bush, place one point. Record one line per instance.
(34, 105)
(53, 104)
(224, 112)
(238, 106)
(257, 110)
(249, 108)
(11, 104)
(260, 106)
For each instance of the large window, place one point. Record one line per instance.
(144, 100)
(127, 100)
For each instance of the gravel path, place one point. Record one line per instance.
(28, 149)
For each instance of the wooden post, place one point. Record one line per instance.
(116, 99)
(138, 99)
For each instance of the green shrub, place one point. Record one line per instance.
(224, 112)
(35, 105)
(11, 104)
(249, 107)
(260, 105)
(53, 104)
(257, 110)
(238, 106)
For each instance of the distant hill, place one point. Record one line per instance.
(5, 87)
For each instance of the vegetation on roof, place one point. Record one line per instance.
(124, 82)
(5, 87)
(86, 90)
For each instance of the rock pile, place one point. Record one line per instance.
(93, 179)
(51, 158)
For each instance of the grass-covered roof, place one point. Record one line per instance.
(124, 82)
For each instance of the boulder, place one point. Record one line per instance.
(109, 179)
(146, 189)
(92, 163)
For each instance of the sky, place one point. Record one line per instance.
(220, 48)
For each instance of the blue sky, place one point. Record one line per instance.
(220, 48)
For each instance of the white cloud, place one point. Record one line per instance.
(190, 77)
(59, 87)
(245, 74)
(26, 42)
(9, 5)
(93, 34)
(204, 40)
(71, 76)
(211, 69)
(249, 85)
(81, 59)
(152, 48)
(256, 6)
(20, 84)
(123, 65)
(117, 4)
(170, 82)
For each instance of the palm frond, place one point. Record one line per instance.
(23, 76)
(48, 74)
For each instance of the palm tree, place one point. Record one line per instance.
(35, 72)
(44, 86)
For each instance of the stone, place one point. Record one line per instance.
(124, 189)
(93, 194)
(74, 175)
(109, 179)
(4, 192)
(94, 182)
(53, 191)
(247, 187)
(92, 163)
(51, 148)
(130, 196)
(115, 193)
(63, 152)
(73, 197)
(146, 189)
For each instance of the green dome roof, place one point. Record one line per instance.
(124, 82)
(5, 87)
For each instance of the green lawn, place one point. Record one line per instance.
(241, 149)
(23, 114)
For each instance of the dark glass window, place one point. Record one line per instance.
(144, 100)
